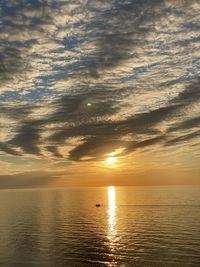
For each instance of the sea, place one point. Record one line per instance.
(104, 226)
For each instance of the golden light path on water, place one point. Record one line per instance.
(112, 232)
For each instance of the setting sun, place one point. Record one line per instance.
(111, 161)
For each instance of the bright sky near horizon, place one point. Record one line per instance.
(99, 92)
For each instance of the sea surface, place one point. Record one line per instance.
(134, 226)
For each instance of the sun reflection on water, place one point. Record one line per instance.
(112, 232)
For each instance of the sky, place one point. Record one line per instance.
(94, 93)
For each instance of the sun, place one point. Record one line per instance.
(110, 161)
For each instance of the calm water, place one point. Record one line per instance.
(141, 226)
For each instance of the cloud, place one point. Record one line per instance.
(142, 144)
(16, 111)
(11, 62)
(9, 150)
(95, 148)
(84, 116)
(28, 137)
(190, 95)
(18, 20)
(54, 151)
(121, 26)
(186, 125)
(183, 138)
(119, 31)
(87, 106)
(143, 123)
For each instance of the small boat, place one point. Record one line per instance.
(98, 205)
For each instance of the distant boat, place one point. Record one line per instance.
(98, 205)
